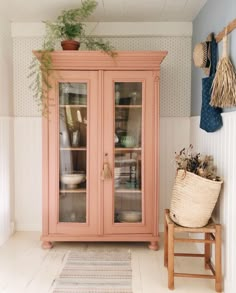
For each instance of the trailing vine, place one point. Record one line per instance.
(67, 26)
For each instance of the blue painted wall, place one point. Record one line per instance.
(213, 17)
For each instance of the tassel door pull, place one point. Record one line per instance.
(106, 172)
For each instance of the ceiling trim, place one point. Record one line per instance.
(112, 29)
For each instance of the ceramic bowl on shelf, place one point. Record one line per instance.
(71, 180)
(130, 216)
(128, 141)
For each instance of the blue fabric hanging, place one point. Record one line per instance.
(211, 119)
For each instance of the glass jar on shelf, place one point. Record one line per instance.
(117, 94)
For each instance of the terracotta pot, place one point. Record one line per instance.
(70, 45)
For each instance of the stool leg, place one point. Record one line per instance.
(218, 280)
(171, 256)
(165, 240)
(207, 251)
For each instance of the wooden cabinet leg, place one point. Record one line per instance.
(47, 245)
(154, 245)
(171, 256)
(218, 271)
(165, 240)
(207, 251)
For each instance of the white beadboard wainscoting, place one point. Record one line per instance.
(6, 177)
(174, 135)
(222, 145)
(28, 173)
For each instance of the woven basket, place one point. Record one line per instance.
(193, 199)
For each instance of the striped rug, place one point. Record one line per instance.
(95, 272)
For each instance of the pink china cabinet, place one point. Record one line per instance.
(101, 148)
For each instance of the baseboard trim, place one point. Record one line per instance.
(21, 227)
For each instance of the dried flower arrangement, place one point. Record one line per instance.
(196, 163)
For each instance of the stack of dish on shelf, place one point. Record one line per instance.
(117, 177)
(73, 216)
(129, 216)
(128, 173)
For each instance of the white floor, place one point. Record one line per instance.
(26, 268)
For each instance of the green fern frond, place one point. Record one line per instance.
(68, 25)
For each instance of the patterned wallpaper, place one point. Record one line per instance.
(175, 72)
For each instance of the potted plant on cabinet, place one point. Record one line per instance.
(70, 29)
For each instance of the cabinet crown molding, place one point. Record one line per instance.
(125, 60)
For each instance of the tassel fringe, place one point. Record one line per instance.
(106, 172)
(224, 85)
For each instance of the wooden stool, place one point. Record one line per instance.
(212, 235)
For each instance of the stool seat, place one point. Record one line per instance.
(212, 233)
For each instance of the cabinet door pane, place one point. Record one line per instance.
(128, 152)
(73, 152)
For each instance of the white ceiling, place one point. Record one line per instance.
(109, 10)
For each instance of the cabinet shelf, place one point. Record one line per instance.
(127, 149)
(121, 120)
(128, 190)
(128, 106)
(73, 149)
(72, 190)
(73, 106)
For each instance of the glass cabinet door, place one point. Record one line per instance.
(128, 152)
(73, 175)
(73, 151)
(128, 148)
